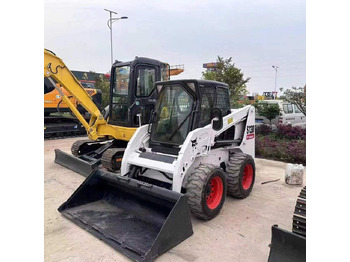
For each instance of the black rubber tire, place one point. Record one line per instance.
(196, 191)
(234, 172)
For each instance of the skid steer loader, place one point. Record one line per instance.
(194, 151)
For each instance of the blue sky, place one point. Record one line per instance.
(256, 34)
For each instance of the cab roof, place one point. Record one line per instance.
(141, 60)
(199, 82)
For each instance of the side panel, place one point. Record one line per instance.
(216, 157)
(140, 135)
(248, 144)
(199, 142)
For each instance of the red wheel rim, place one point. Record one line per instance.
(247, 179)
(214, 192)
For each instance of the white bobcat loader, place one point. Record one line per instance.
(194, 151)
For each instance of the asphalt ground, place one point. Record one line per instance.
(241, 232)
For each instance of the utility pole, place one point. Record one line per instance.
(109, 24)
(275, 67)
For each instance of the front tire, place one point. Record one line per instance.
(240, 171)
(206, 191)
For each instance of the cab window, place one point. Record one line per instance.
(287, 108)
(207, 104)
(223, 100)
(172, 123)
(146, 78)
(121, 86)
(296, 109)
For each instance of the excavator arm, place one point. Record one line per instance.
(97, 127)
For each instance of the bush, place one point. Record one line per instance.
(263, 129)
(290, 132)
(291, 151)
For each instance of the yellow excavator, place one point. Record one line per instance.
(132, 99)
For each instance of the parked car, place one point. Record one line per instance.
(289, 114)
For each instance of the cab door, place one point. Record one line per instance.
(145, 96)
(288, 114)
(299, 116)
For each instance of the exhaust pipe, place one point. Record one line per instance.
(138, 219)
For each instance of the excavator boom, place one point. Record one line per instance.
(55, 68)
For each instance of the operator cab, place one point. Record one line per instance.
(132, 90)
(182, 106)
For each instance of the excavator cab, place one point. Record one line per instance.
(132, 94)
(132, 99)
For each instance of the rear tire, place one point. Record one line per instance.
(206, 191)
(240, 171)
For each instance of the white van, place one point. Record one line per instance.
(292, 115)
(289, 114)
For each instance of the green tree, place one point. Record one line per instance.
(102, 83)
(268, 110)
(226, 72)
(297, 96)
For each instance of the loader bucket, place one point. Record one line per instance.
(76, 164)
(138, 219)
(287, 246)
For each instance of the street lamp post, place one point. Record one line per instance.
(109, 24)
(275, 67)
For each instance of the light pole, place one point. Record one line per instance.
(109, 24)
(275, 67)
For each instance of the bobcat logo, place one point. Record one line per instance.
(250, 129)
(250, 132)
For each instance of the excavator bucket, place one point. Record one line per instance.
(81, 166)
(287, 246)
(138, 219)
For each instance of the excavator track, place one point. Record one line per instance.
(77, 146)
(62, 127)
(299, 217)
(87, 146)
(63, 136)
(111, 160)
